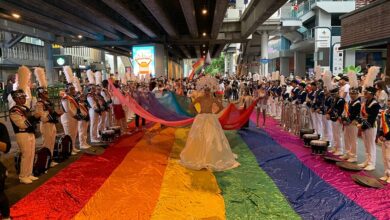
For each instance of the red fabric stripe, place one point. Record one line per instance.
(65, 194)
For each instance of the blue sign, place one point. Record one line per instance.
(264, 61)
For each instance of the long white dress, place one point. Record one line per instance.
(207, 146)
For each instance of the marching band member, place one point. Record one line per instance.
(385, 142)
(70, 107)
(310, 104)
(368, 114)
(107, 98)
(23, 123)
(103, 110)
(82, 115)
(350, 116)
(318, 101)
(94, 111)
(48, 116)
(335, 114)
(83, 121)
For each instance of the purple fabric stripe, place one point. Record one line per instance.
(374, 201)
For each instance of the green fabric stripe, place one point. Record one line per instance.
(249, 193)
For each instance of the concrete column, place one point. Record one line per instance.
(323, 20)
(349, 58)
(115, 63)
(284, 66)
(264, 52)
(299, 63)
(48, 61)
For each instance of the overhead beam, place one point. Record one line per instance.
(60, 14)
(185, 51)
(157, 11)
(130, 17)
(257, 13)
(182, 41)
(101, 17)
(38, 18)
(14, 27)
(12, 40)
(189, 13)
(219, 14)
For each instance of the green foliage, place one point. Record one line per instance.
(217, 66)
(354, 69)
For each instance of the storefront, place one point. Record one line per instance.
(366, 32)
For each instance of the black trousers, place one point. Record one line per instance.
(4, 205)
(137, 117)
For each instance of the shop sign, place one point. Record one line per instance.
(322, 37)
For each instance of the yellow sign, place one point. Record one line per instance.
(56, 46)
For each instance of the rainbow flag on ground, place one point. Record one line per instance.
(140, 177)
(196, 68)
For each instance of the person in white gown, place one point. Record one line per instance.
(207, 146)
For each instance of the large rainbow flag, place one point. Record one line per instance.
(139, 177)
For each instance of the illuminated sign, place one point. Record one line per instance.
(143, 60)
(62, 60)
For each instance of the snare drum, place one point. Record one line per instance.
(319, 147)
(305, 131)
(309, 137)
(117, 130)
(108, 135)
(62, 148)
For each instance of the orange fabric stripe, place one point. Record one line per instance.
(385, 126)
(132, 190)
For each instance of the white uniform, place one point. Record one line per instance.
(93, 117)
(83, 127)
(25, 138)
(68, 120)
(47, 126)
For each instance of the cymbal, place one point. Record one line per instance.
(349, 166)
(367, 181)
(332, 159)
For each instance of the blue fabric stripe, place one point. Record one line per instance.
(308, 194)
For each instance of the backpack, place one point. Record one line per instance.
(62, 148)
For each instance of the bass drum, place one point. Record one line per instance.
(62, 148)
(42, 159)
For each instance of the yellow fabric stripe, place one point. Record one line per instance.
(132, 190)
(188, 194)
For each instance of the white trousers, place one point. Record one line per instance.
(49, 132)
(386, 157)
(102, 121)
(350, 140)
(279, 109)
(327, 129)
(316, 119)
(337, 129)
(26, 143)
(83, 132)
(369, 136)
(93, 128)
(70, 128)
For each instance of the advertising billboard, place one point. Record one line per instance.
(144, 60)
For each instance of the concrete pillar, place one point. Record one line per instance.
(264, 53)
(48, 61)
(115, 63)
(284, 66)
(299, 63)
(349, 58)
(322, 53)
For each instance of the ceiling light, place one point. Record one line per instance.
(80, 36)
(204, 51)
(15, 15)
(204, 11)
(112, 47)
(204, 45)
(204, 34)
